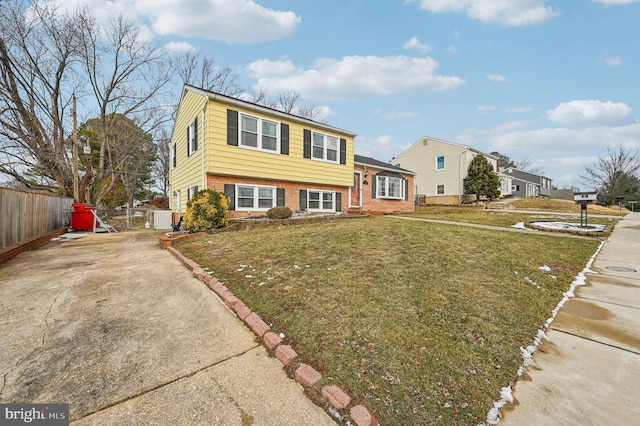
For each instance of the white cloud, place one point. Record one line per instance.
(393, 115)
(414, 44)
(353, 76)
(497, 78)
(452, 48)
(590, 111)
(508, 13)
(231, 21)
(612, 61)
(180, 46)
(484, 109)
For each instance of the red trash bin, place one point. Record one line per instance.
(82, 216)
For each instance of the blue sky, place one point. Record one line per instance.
(554, 81)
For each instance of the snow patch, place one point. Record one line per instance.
(494, 415)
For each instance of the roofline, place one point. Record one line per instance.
(389, 169)
(524, 171)
(263, 109)
(449, 142)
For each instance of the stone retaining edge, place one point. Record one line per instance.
(13, 250)
(332, 398)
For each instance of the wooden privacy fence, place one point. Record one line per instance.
(25, 215)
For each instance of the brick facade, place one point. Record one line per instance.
(381, 205)
(292, 191)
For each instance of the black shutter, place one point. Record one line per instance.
(303, 199)
(174, 152)
(406, 190)
(307, 143)
(232, 127)
(195, 135)
(279, 197)
(230, 190)
(374, 190)
(189, 141)
(343, 151)
(338, 201)
(284, 139)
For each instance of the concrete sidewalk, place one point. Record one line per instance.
(588, 373)
(120, 330)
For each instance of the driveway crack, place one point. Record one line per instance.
(42, 340)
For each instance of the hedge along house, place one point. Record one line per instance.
(380, 187)
(260, 157)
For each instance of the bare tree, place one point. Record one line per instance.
(129, 77)
(38, 50)
(615, 174)
(526, 164)
(162, 166)
(198, 71)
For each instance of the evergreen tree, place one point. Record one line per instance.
(481, 180)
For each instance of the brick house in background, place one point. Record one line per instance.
(380, 187)
(263, 158)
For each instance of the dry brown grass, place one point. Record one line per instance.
(565, 206)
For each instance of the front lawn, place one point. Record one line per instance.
(420, 322)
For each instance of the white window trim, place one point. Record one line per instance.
(191, 131)
(259, 147)
(389, 197)
(321, 209)
(444, 189)
(256, 193)
(191, 191)
(325, 147)
(444, 158)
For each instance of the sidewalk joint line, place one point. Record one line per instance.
(184, 376)
(597, 341)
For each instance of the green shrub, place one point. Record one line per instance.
(207, 210)
(279, 213)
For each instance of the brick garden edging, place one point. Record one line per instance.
(603, 234)
(331, 398)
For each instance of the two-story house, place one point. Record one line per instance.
(440, 168)
(518, 183)
(260, 157)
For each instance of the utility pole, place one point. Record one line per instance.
(76, 196)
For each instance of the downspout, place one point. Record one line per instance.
(204, 171)
(460, 186)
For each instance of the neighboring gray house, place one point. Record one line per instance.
(518, 183)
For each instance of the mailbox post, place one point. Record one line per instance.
(584, 199)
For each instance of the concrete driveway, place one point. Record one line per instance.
(120, 330)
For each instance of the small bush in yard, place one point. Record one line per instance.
(207, 210)
(279, 213)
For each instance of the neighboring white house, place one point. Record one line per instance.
(440, 168)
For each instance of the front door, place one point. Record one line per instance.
(355, 196)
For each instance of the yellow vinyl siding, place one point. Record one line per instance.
(188, 171)
(237, 161)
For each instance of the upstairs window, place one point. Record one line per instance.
(258, 133)
(440, 162)
(174, 152)
(192, 137)
(325, 147)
